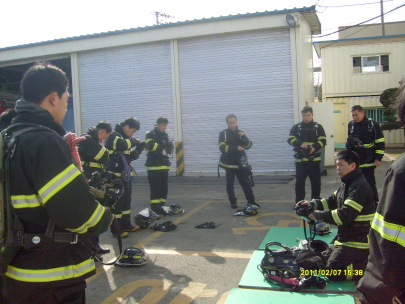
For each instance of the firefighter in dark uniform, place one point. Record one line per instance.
(233, 144)
(159, 147)
(123, 149)
(383, 281)
(307, 138)
(366, 138)
(94, 158)
(351, 208)
(50, 194)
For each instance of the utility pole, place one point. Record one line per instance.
(382, 19)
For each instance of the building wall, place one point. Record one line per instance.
(391, 28)
(337, 69)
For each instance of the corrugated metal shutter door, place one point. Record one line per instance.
(248, 74)
(130, 81)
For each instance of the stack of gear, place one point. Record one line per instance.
(248, 210)
(209, 225)
(165, 226)
(132, 257)
(107, 189)
(146, 217)
(175, 209)
(314, 257)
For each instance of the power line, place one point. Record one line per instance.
(354, 4)
(361, 22)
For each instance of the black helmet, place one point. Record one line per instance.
(321, 228)
(132, 257)
(250, 210)
(146, 217)
(319, 245)
(175, 209)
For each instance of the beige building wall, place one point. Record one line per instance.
(391, 28)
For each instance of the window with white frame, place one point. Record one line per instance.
(376, 114)
(371, 64)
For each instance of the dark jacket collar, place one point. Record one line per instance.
(236, 130)
(29, 112)
(92, 132)
(120, 130)
(356, 173)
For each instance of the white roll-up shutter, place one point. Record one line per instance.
(248, 74)
(128, 81)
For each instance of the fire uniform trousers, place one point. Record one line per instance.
(45, 184)
(383, 281)
(118, 142)
(93, 158)
(159, 147)
(351, 208)
(371, 148)
(314, 136)
(228, 142)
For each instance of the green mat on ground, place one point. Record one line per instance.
(288, 236)
(253, 278)
(249, 296)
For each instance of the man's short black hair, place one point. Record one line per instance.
(307, 109)
(230, 116)
(104, 125)
(161, 120)
(401, 101)
(358, 108)
(349, 157)
(41, 80)
(132, 123)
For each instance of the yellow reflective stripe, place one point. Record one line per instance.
(222, 143)
(353, 244)
(128, 143)
(354, 205)
(317, 158)
(91, 222)
(119, 174)
(320, 143)
(379, 151)
(324, 204)
(229, 166)
(389, 231)
(148, 140)
(309, 143)
(163, 200)
(336, 217)
(156, 201)
(368, 145)
(155, 146)
(115, 143)
(367, 165)
(58, 183)
(100, 154)
(321, 137)
(249, 145)
(292, 136)
(94, 165)
(118, 215)
(226, 148)
(25, 201)
(126, 212)
(297, 160)
(335, 193)
(367, 217)
(291, 143)
(379, 140)
(51, 275)
(349, 272)
(111, 151)
(158, 168)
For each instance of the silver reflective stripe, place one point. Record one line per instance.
(353, 244)
(354, 205)
(58, 183)
(367, 217)
(336, 217)
(389, 231)
(324, 204)
(100, 154)
(25, 201)
(94, 219)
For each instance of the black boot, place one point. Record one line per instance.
(157, 208)
(233, 204)
(113, 229)
(126, 221)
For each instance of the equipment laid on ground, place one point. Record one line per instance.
(175, 209)
(321, 228)
(210, 225)
(165, 226)
(132, 257)
(248, 210)
(146, 217)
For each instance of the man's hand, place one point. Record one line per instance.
(304, 145)
(312, 150)
(241, 133)
(240, 148)
(377, 163)
(113, 217)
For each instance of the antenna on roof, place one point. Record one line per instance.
(160, 16)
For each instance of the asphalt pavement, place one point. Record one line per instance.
(200, 266)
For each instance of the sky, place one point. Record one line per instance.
(27, 21)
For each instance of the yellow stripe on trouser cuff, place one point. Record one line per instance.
(101, 153)
(51, 275)
(389, 231)
(158, 168)
(58, 183)
(156, 201)
(380, 140)
(349, 276)
(92, 221)
(118, 215)
(163, 200)
(126, 212)
(25, 201)
(353, 244)
(354, 205)
(379, 151)
(324, 204)
(336, 217)
(229, 166)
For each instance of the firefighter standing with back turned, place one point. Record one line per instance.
(159, 147)
(49, 194)
(123, 148)
(94, 159)
(307, 137)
